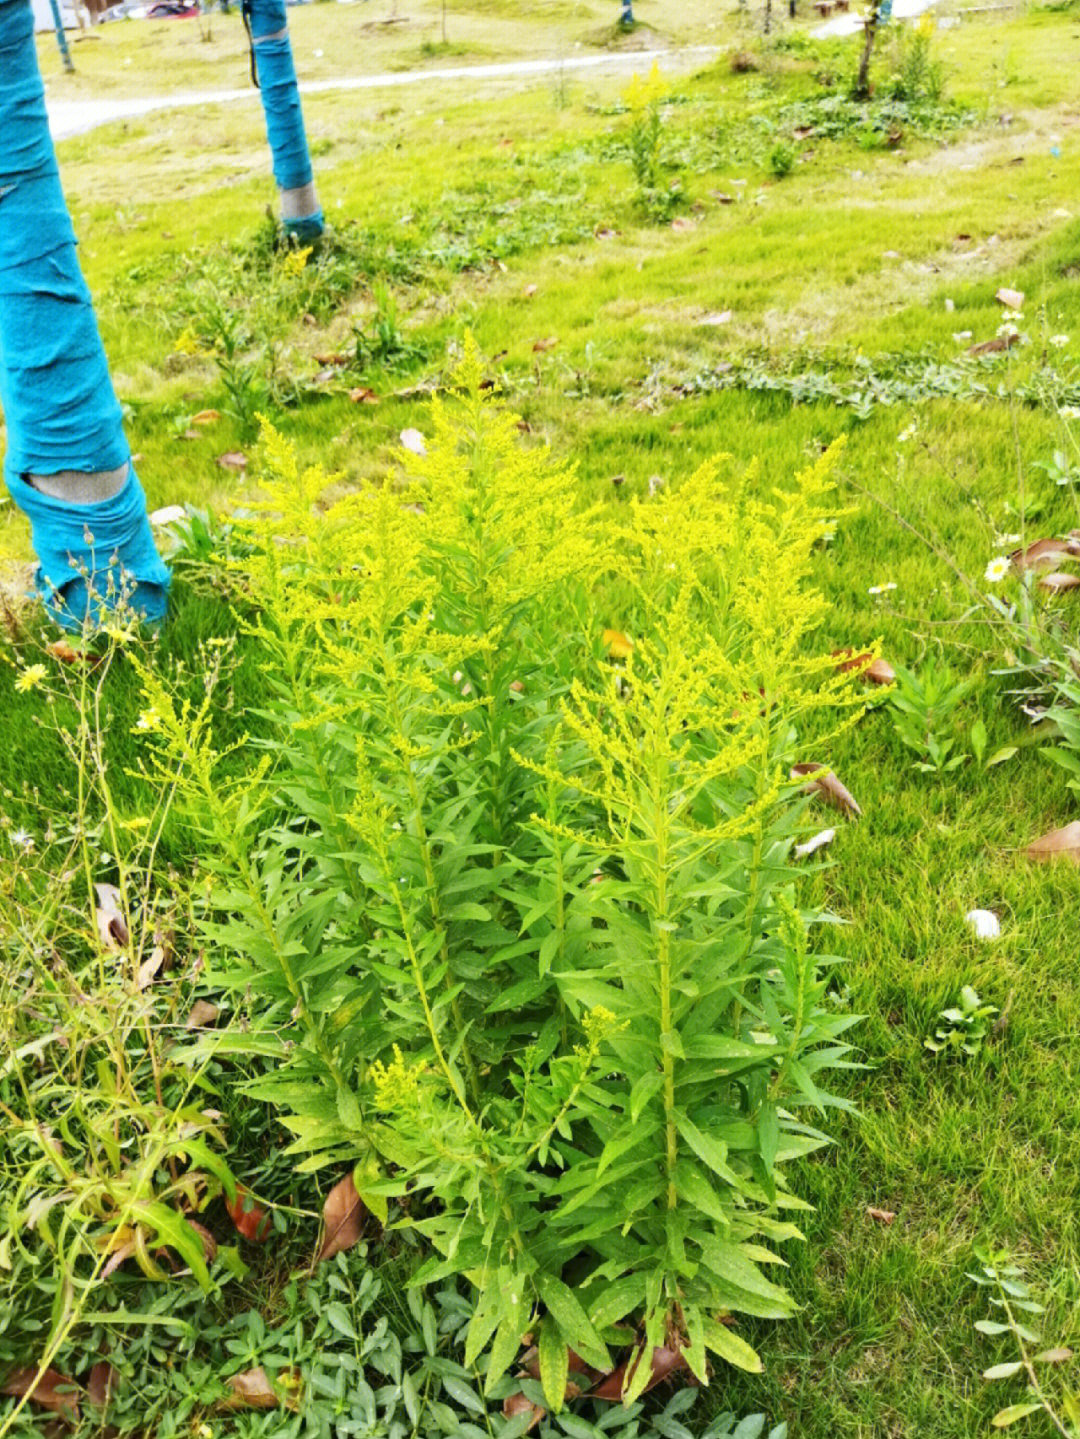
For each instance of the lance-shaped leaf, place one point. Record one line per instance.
(827, 787)
(343, 1219)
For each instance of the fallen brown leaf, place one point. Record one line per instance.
(209, 1243)
(52, 1391)
(997, 346)
(363, 396)
(233, 460)
(206, 417)
(548, 344)
(1011, 299)
(203, 1013)
(683, 223)
(117, 1257)
(1061, 843)
(101, 1383)
(827, 787)
(251, 1390)
(343, 1219)
(333, 359)
(250, 1218)
(872, 667)
(883, 1216)
(71, 654)
(109, 918)
(515, 1404)
(664, 1363)
(149, 968)
(1045, 554)
(1059, 581)
(606, 234)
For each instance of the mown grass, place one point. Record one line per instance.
(884, 1345)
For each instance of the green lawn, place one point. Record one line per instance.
(509, 210)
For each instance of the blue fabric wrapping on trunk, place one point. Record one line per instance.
(281, 106)
(57, 396)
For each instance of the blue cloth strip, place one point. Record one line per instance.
(57, 396)
(92, 556)
(281, 105)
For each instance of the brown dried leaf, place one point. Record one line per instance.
(663, 1364)
(1059, 581)
(549, 344)
(209, 1243)
(120, 1253)
(52, 1391)
(233, 460)
(1061, 843)
(683, 223)
(206, 417)
(1011, 299)
(71, 654)
(149, 968)
(101, 1383)
(828, 788)
(203, 1013)
(251, 1390)
(529, 291)
(872, 667)
(249, 1216)
(883, 1216)
(1045, 554)
(362, 395)
(997, 346)
(343, 1218)
(515, 1404)
(604, 233)
(109, 918)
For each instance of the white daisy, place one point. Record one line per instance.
(997, 569)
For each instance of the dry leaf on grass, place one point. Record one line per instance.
(548, 344)
(1045, 554)
(827, 787)
(250, 1218)
(101, 1383)
(515, 1404)
(206, 1239)
(343, 1219)
(253, 1390)
(682, 223)
(203, 1013)
(529, 291)
(149, 967)
(53, 1390)
(998, 345)
(109, 917)
(883, 1216)
(1061, 843)
(362, 395)
(206, 417)
(872, 667)
(1059, 581)
(1011, 299)
(233, 460)
(69, 653)
(664, 1363)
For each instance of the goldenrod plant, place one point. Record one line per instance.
(504, 908)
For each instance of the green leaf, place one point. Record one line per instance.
(729, 1346)
(1004, 1371)
(648, 1084)
(554, 1364)
(991, 1326)
(616, 1300)
(507, 1339)
(711, 1152)
(1004, 1417)
(565, 1308)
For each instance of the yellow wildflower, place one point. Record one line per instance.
(30, 678)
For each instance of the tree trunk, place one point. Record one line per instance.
(862, 82)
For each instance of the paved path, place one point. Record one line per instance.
(76, 117)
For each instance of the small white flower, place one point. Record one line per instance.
(1015, 316)
(21, 839)
(880, 589)
(997, 569)
(1069, 412)
(1059, 341)
(1007, 540)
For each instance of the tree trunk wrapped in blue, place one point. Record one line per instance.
(276, 73)
(64, 422)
